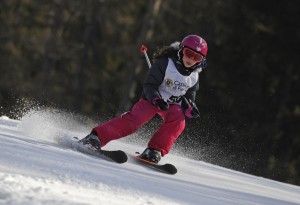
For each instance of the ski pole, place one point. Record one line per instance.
(144, 49)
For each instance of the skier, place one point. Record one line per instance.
(169, 90)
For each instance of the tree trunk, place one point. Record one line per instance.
(146, 34)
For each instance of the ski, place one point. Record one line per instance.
(117, 156)
(164, 168)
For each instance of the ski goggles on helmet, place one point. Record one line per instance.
(192, 54)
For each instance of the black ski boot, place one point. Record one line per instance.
(92, 140)
(151, 155)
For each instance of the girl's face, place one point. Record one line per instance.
(188, 62)
(190, 57)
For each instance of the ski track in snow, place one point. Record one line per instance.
(39, 166)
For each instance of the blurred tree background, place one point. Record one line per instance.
(83, 56)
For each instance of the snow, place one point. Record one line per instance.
(37, 166)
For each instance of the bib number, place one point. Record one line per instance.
(174, 99)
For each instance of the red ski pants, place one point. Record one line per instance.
(143, 111)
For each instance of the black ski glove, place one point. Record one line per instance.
(160, 103)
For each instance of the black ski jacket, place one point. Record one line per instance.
(156, 76)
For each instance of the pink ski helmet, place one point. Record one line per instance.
(195, 43)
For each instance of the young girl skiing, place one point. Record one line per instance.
(169, 90)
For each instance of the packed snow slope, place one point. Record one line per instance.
(37, 166)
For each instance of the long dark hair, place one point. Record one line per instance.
(165, 52)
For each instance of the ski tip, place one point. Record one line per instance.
(122, 159)
(165, 168)
(171, 169)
